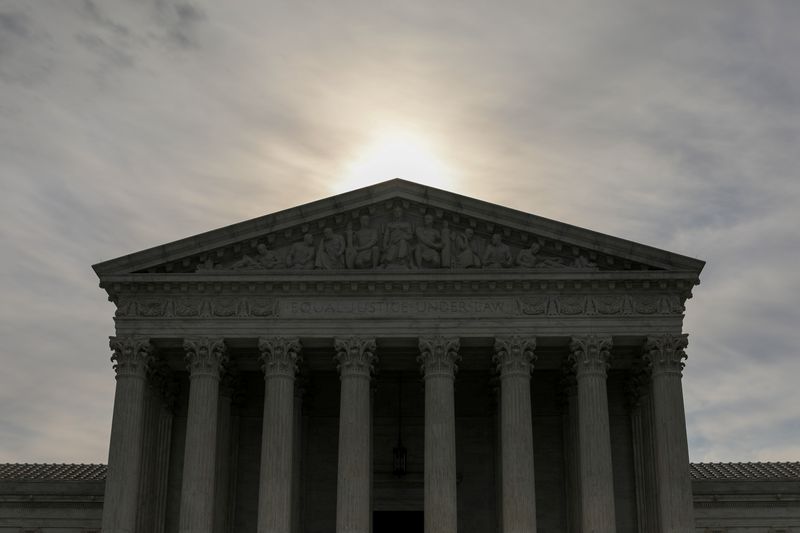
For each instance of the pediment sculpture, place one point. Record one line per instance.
(400, 242)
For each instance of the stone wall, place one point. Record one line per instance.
(47, 506)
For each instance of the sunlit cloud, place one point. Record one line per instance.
(396, 153)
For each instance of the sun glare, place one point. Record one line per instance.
(396, 154)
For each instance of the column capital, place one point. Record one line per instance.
(131, 355)
(514, 355)
(438, 356)
(355, 356)
(664, 354)
(279, 356)
(590, 355)
(205, 356)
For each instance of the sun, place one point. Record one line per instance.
(395, 154)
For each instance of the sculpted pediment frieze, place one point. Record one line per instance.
(397, 226)
(398, 236)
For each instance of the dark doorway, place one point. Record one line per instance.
(398, 522)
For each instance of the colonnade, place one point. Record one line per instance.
(592, 496)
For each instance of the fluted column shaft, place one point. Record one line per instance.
(164, 445)
(205, 358)
(145, 518)
(155, 448)
(643, 455)
(130, 357)
(665, 354)
(514, 358)
(438, 358)
(572, 454)
(297, 463)
(279, 357)
(224, 466)
(355, 357)
(590, 355)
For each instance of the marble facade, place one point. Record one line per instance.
(272, 375)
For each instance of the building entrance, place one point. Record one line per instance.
(398, 522)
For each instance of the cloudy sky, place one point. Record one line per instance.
(127, 124)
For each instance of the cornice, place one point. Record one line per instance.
(454, 282)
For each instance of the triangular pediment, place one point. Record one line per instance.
(397, 226)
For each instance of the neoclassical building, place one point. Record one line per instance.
(393, 358)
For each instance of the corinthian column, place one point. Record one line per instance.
(438, 358)
(590, 357)
(205, 358)
(665, 354)
(279, 359)
(131, 355)
(355, 357)
(514, 358)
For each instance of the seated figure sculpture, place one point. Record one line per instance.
(465, 251)
(330, 255)
(427, 252)
(301, 254)
(497, 254)
(362, 245)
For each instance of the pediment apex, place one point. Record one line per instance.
(525, 240)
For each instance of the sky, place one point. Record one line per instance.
(128, 124)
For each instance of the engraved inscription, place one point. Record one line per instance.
(297, 308)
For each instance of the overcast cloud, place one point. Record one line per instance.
(127, 124)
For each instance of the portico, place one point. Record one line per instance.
(333, 367)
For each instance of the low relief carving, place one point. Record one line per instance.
(398, 243)
(330, 255)
(572, 305)
(189, 307)
(497, 254)
(362, 245)
(465, 250)
(301, 254)
(266, 259)
(430, 245)
(530, 258)
(566, 305)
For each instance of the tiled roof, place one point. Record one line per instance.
(699, 471)
(744, 471)
(46, 471)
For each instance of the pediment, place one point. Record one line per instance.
(397, 226)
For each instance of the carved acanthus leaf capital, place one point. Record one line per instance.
(355, 356)
(590, 355)
(665, 353)
(280, 356)
(438, 356)
(131, 355)
(514, 355)
(205, 356)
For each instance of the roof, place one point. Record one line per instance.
(52, 471)
(744, 471)
(699, 471)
